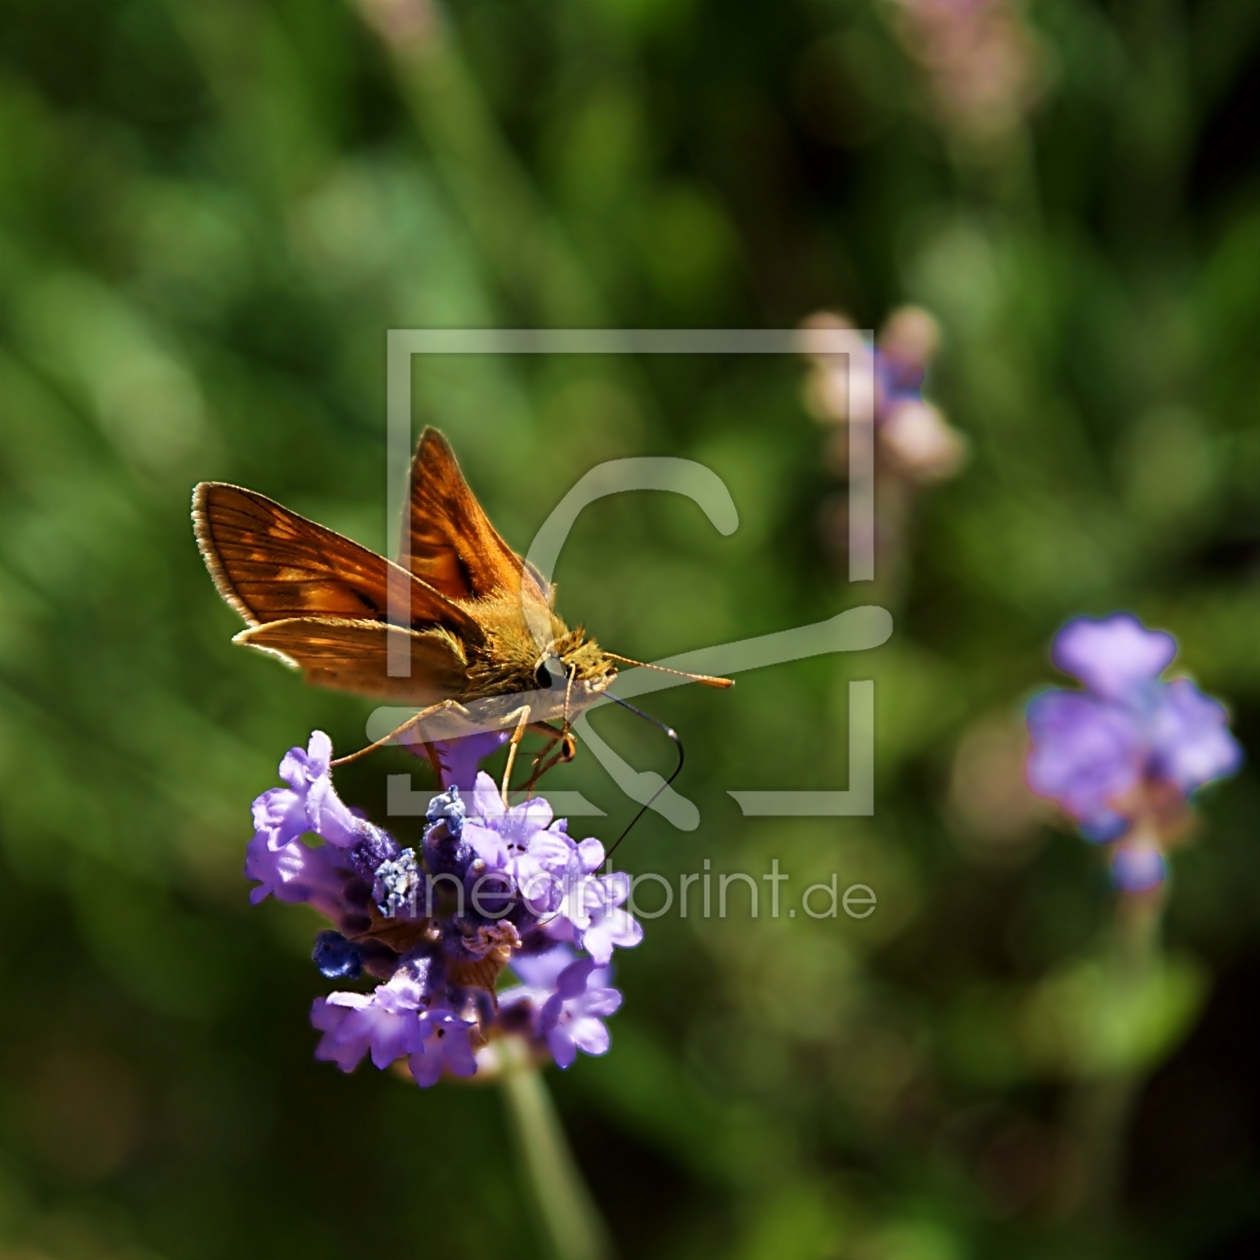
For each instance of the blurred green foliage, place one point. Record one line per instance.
(210, 214)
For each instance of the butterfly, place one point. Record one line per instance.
(478, 639)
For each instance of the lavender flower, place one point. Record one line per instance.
(562, 1003)
(397, 881)
(572, 1018)
(409, 1017)
(489, 887)
(309, 803)
(1123, 756)
(556, 874)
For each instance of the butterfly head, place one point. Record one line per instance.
(573, 661)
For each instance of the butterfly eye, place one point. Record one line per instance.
(550, 671)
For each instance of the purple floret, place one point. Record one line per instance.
(562, 1003)
(460, 759)
(896, 381)
(1190, 739)
(336, 957)
(1137, 868)
(1112, 654)
(572, 1018)
(1085, 753)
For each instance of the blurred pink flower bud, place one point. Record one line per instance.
(910, 335)
(983, 67)
(920, 442)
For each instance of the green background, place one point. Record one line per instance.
(209, 216)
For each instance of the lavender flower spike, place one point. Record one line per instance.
(487, 888)
(1124, 754)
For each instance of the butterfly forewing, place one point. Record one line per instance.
(451, 543)
(271, 565)
(322, 602)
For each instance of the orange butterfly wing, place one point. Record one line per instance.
(451, 544)
(271, 565)
(354, 655)
(320, 601)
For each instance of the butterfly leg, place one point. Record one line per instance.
(552, 735)
(535, 773)
(566, 753)
(430, 751)
(444, 706)
(517, 735)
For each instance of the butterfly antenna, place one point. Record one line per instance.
(709, 680)
(673, 734)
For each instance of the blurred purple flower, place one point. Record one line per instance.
(898, 380)
(1190, 738)
(1111, 655)
(1138, 867)
(1105, 753)
(1085, 753)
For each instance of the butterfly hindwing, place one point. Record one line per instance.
(353, 655)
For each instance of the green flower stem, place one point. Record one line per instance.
(568, 1212)
(1103, 1106)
